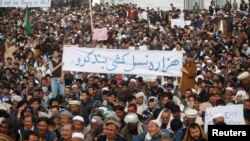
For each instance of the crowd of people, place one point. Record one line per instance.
(40, 102)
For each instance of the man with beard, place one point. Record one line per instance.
(78, 125)
(247, 111)
(244, 79)
(195, 133)
(67, 131)
(133, 126)
(111, 131)
(74, 107)
(219, 119)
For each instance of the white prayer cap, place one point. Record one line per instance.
(206, 57)
(78, 135)
(105, 89)
(217, 71)
(96, 119)
(153, 97)
(80, 118)
(242, 93)
(131, 118)
(230, 89)
(244, 45)
(132, 80)
(103, 109)
(140, 94)
(206, 41)
(124, 36)
(209, 61)
(199, 77)
(191, 113)
(93, 120)
(243, 75)
(218, 115)
(16, 98)
(158, 123)
(198, 65)
(74, 86)
(188, 41)
(194, 91)
(74, 102)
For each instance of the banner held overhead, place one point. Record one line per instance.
(115, 61)
(25, 3)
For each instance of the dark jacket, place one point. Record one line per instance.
(142, 136)
(104, 138)
(128, 134)
(50, 136)
(86, 110)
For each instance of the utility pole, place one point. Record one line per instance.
(91, 16)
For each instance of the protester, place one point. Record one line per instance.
(43, 131)
(67, 131)
(187, 80)
(218, 119)
(153, 133)
(195, 133)
(31, 136)
(133, 126)
(111, 131)
(34, 90)
(77, 136)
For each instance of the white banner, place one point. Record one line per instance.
(25, 3)
(233, 115)
(166, 63)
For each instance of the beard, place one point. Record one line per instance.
(199, 139)
(133, 130)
